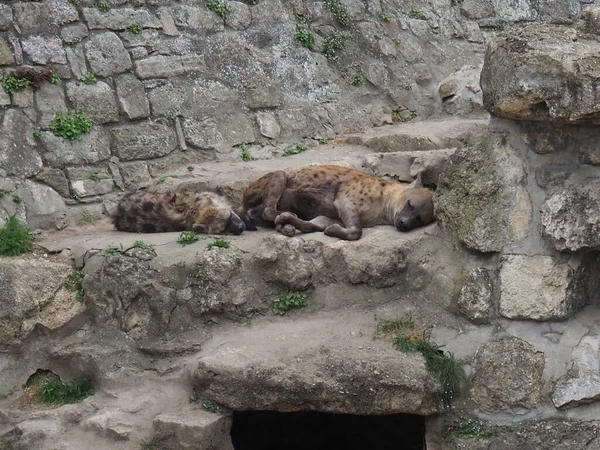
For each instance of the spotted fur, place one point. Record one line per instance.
(336, 200)
(151, 212)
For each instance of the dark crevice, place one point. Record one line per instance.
(270, 430)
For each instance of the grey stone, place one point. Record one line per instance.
(97, 100)
(262, 92)
(582, 386)
(552, 175)
(147, 140)
(307, 371)
(135, 174)
(55, 178)
(147, 38)
(193, 428)
(4, 98)
(477, 9)
(507, 374)
(512, 92)
(60, 12)
(113, 424)
(168, 66)
(197, 19)
(132, 97)
(460, 93)
(203, 133)
(138, 53)
(45, 208)
(239, 17)
(50, 101)
(16, 46)
(236, 128)
(23, 99)
(570, 218)
(406, 165)
(6, 56)
(113, 167)
(481, 198)
(33, 291)
(44, 17)
(268, 125)
(536, 288)
(18, 152)
(475, 299)
(119, 18)
(44, 50)
(74, 33)
(6, 16)
(89, 181)
(76, 58)
(107, 55)
(88, 149)
(167, 22)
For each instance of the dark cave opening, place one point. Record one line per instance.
(270, 430)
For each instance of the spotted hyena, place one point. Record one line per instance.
(336, 200)
(202, 212)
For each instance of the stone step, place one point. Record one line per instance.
(325, 362)
(152, 293)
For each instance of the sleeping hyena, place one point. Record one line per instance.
(188, 210)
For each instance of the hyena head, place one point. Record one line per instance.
(208, 213)
(413, 206)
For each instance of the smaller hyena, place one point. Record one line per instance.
(151, 212)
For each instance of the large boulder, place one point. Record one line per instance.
(542, 73)
(481, 196)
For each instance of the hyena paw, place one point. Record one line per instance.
(284, 218)
(288, 230)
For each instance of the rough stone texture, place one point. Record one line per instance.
(50, 101)
(268, 125)
(45, 208)
(476, 296)
(405, 166)
(144, 141)
(239, 17)
(261, 92)
(132, 98)
(6, 16)
(55, 178)
(168, 66)
(507, 375)
(74, 33)
(481, 196)
(539, 288)
(570, 217)
(76, 57)
(97, 100)
(113, 424)
(542, 73)
(18, 152)
(298, 367)
(107, 55)
(135, 174)
(88, 181)
(6, 57)
(32, 292)
(88, 149)
(460, 93)
(583, 384)
(119, 19)
(555, 434)
(193, 429)
(44, 50)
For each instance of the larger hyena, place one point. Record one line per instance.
(317, 198)
(202, 212)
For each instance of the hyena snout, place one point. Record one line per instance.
(235, 225)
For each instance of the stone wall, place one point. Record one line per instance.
(170, 82)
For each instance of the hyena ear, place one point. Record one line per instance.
(417, 183)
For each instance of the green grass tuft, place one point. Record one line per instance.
(209, 406)
(219, 243)
(416, 14)
(142, 244)
(286, 302)
(113, 249)
(89, 78)
(56, 392)
(71, 126)
(294, 150)
(385, 16)
(14, 84)
(304, 33)
(335, 43)
(358, 80)
(187, 238)
(15, 238)
(55, 79)
(219, 7)
(134, 28)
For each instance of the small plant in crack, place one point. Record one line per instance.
(304, 33)
(334, 44)
(14, 84)
(358, 80)
(15, 238)
(187, 238)
(385, 16)
(134, 28)
(71, 126)
(143, 245)
(87, 218)
(246, 156)
(75, 284)
(219, 7)
(89, 78)
(113, 249)
(218, 243)
(294, 150)
(286, 302)
(416, 14)
(337, 8)
(55, 79)
(53, 391)
(209, 406)
(102, 6)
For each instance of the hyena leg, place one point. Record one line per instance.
(272, 194)
(352, 229)
(305, 226)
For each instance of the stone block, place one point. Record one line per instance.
(90, 148)
(44, 49)
(18, 150)
(89, 181)
(97, 100)
(132, 97)
(143, 141)
(107, 55)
